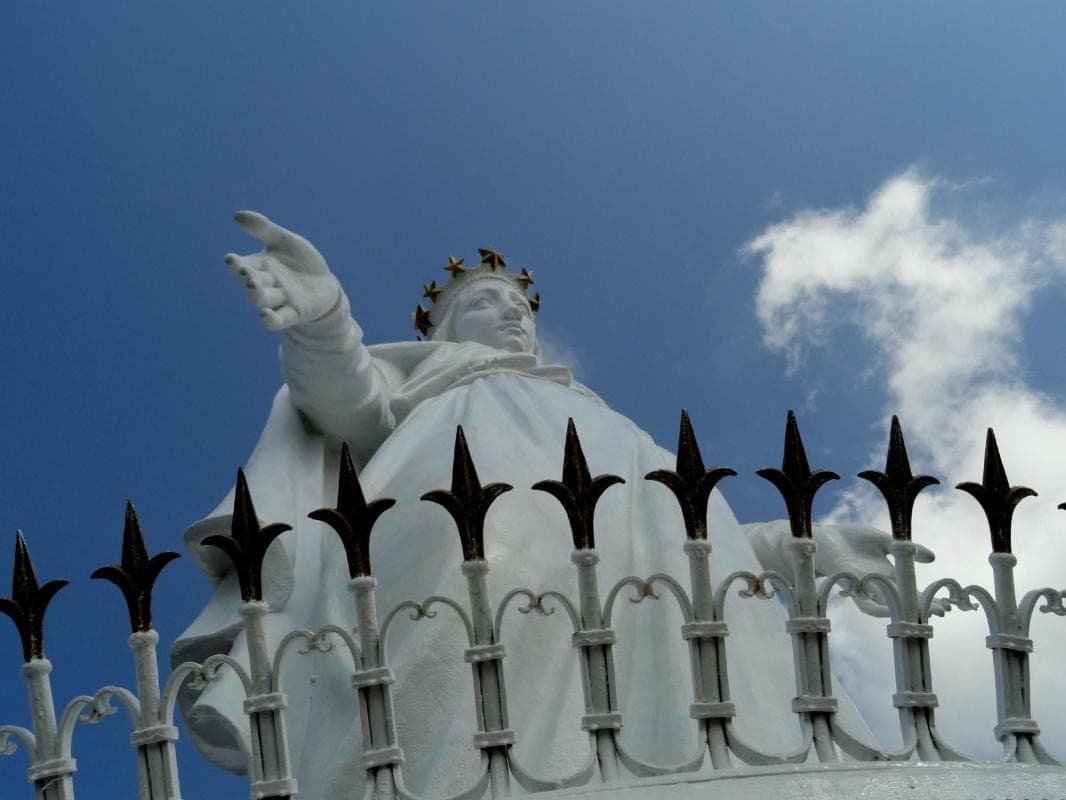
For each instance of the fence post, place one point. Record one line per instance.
(468, 502)
(246, 547)
(798, 485)
(51, 769)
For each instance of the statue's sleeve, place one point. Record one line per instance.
(335, 382)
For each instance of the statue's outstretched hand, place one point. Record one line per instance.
(859, 549)
(288, 280)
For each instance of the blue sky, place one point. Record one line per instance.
(628, 153)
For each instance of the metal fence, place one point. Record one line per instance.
(825, 741)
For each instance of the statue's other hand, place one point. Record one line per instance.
(288, 280)
(862, 550)
(859, 549)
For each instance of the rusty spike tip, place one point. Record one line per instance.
(997, 497)
(247, 543)
(578, 492)
(795, 481)
(689, 460)
(794, 461)
(349, 490)
(136, 574)
(691, 482)
(994, 473)
(575, 466)
(468, 501)
(134, 552)
(353, 519)
(28, 601)
(243, 507)
(899, 486)
(464, 473)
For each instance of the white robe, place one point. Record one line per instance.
(514, 413)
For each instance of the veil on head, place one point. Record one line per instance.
(444, 330)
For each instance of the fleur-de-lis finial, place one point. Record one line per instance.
(996, 496)
(578, 492)
(247, 543)
(468, 501)
(136, 574)
(28, 601)
(898, 484)
(691, 483)
(353, 518)
(795, 481)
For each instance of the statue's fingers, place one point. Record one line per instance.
(236, 264)
(256, 225)
(276, 319)
(268, 297)
(923, 555)
(291, 246)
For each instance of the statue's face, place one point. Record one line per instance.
(495, 314)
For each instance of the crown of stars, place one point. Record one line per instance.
(490, 256)
(492, 265)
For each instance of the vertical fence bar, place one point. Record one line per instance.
(914, 696)
(272, 777)
(602, 716)
(52, 771)
(706, 635)
(1010, 651)
(157, 765)
(381, 751)
(485, 659)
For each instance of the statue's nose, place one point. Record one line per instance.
(512, 312)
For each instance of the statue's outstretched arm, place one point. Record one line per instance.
(331, 375)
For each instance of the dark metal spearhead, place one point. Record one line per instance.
(136, 574)
(898, 485)
(795, 481)
(247, 544)
(468, 501)
(996, 496)
(691, 483)
(353, 519)
(28, 601)
(578, 492)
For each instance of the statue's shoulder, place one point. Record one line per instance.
(397, 360)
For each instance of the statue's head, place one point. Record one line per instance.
(485, 304)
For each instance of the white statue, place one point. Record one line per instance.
(397, 406)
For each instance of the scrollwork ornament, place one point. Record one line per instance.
(957, 596)
(536, 602)
(8, 747)
(1052, 605)
(753, 587)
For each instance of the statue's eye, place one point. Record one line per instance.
(481, 302)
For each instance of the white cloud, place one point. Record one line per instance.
(557, 351)
(940, 300)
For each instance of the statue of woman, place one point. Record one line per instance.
(397, 406)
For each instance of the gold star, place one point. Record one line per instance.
(455, 266)
(420, 316)
(431, 290)
(525, 277)
(491, 257)
(534, 302)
